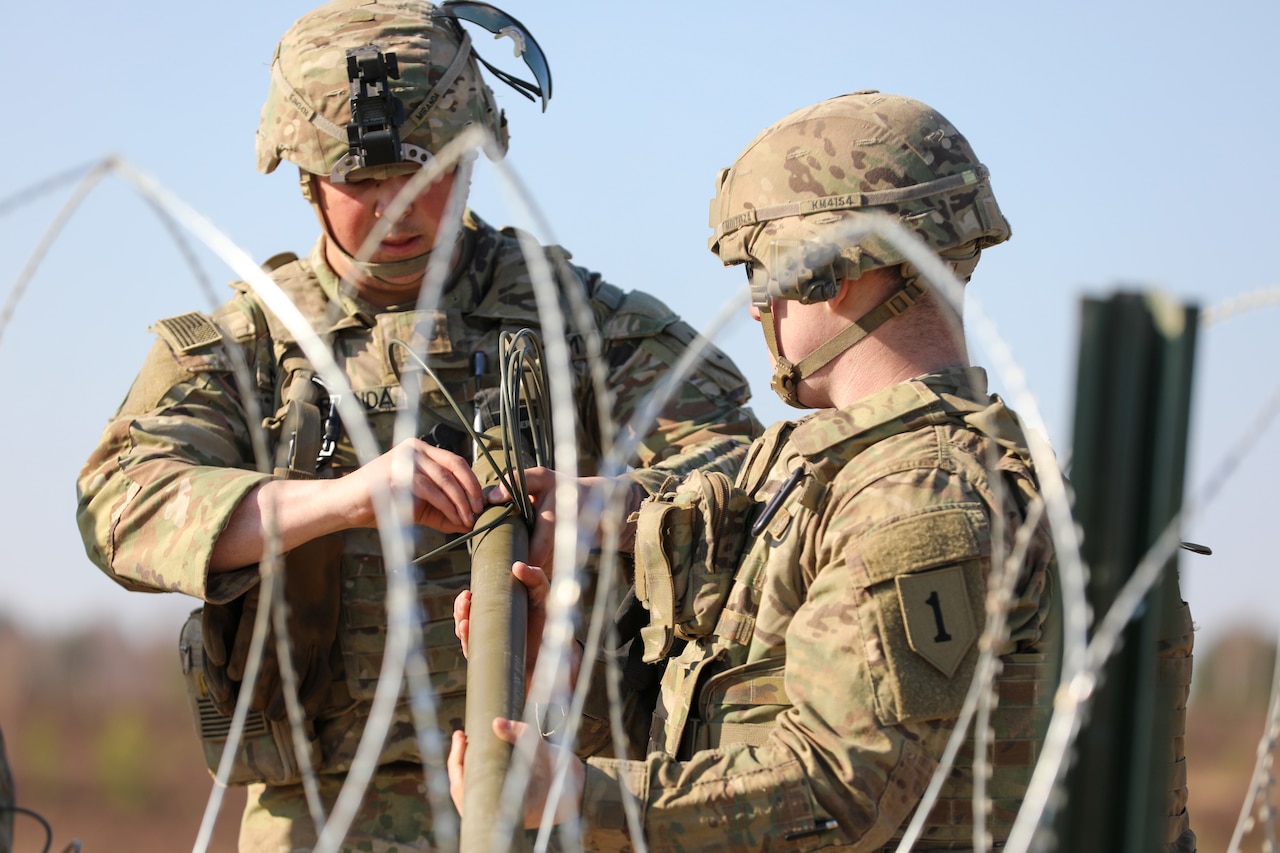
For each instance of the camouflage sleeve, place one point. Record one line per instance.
(169, 470)
(828, 767)
(706, 424)
(848, 760)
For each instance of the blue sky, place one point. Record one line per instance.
(1130, 146)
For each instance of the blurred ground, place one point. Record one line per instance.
(102, 744)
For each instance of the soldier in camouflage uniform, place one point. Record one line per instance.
(820, 618)
(170, 500)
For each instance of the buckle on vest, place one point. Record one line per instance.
(330, 425)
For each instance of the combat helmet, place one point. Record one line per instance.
(786, 206)
(385, 84)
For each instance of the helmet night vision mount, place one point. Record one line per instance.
(376, 114)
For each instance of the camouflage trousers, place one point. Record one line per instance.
(394, 817)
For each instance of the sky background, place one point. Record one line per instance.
(1131, 145)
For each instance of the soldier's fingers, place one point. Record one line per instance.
(454, 766)
(244, 636)
(267, 684)
(462, 618)
(538, 588)
(509, 730)
(431, 480)
(540, 481)
(535, 580)
(439, 485)
(542, 542)
(461, 608)
(212, 628)
(462, 475)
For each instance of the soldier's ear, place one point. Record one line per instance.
(844, 287)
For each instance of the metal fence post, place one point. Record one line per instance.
(1133, 400)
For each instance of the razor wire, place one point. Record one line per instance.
(1262, 780)
(91, 177)
(362, 439)
(1082, 661)
(366, 447)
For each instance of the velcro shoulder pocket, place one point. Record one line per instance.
(924, 609)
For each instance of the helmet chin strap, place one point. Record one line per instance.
(787, 376)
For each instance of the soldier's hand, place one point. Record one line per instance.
(446, 493)
(541, 773)
(544, 484)
(539, 586)
(228, 630)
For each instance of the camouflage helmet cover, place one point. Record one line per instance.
(308, 106)
(823, 164)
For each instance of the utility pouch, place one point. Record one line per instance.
(688, 543)
(266, 752)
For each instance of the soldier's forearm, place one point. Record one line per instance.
(297, 511)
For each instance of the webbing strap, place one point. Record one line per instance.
(852, 201)
(786, 376)
(899, 302)
(301, 429)
(300, 104)
(715, 735)
(735, 627)
(410, 124)
(450, 75)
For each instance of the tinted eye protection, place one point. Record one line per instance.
(501, 24)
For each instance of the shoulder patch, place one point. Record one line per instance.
(187, 332)
(938, 616)
(922, 610)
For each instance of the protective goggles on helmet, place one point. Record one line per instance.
(501, 24)
(806, 270)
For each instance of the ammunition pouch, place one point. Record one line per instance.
(688, 543)
(266, 749)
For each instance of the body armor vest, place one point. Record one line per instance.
(727, 690)
(477, 307)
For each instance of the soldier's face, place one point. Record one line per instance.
(351, 211)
